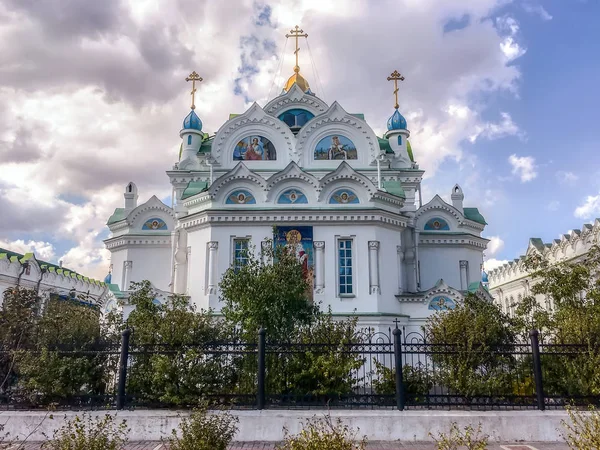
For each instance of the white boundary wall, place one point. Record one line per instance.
(382, 425)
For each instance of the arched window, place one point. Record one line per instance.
(189, 139)
(296, 118)
(291, 196)
(436, 224)
(400, 140)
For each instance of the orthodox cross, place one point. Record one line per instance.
(297, 33)
(193, 77)
(395, 76)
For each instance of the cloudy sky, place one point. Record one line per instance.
(500, 97)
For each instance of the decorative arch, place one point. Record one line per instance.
(295, 98)
(441, 303)
(152, 209)
(343, 197)
(436, 224)
(240, 197)
(343, 176)
(155, 223)
(241, 175)
(292, 196)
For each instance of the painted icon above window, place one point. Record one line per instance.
(254, 148)
(441, 303)
(154, 224)
(240, 197)
(335, 147)
(436, 224)
(343, 196)
(292, 196)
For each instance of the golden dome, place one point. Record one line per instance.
(298, 79)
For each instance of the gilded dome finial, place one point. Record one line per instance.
(395, 76)
(193, 77)
(297, 32)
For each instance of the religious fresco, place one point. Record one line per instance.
(441, 303)
(298, 240)
(437, 224)
(154, 224)
(343, 197)
(335, 147)
(292, 196)
(254, 148)
(240, 197)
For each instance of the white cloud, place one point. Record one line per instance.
(523, 166)
(568, 178)
(102, 93)
(553, 205)
(42, 250)
(538, 10)
(493, 263)
(494, 246)
(590, 208)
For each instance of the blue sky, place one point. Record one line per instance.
(500, 96)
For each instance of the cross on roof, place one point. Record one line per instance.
(193, 77)
(395, 76)
(296, 32)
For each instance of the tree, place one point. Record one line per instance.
(269, 291)
(470, 348)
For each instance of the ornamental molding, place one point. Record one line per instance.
(374, 245)
(295, 97)
(293, 171)
(213, 245)
(153, 204)
(336, 115)
(319, 245)
(136, 241)
(255, 115)
(436, 203)
(223, 218)
(345, 172)
(441, 239)
(239, 173)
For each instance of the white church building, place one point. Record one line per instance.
(303, 172)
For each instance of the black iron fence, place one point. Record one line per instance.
(375, 370)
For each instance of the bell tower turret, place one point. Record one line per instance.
(397, 133)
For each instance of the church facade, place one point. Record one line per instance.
(307, 174)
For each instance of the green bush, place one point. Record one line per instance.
(583, 430)
(88, 433)
(469, 438)
(417, 381)
(204, 431)
(324, 434)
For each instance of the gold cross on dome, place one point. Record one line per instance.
(193, 77)
(297, 33)
(395, 76)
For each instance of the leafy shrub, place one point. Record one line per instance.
(204, 431)
(89, 433)
(469, 438)
(583, 431)
(417, 381)
(324, 434)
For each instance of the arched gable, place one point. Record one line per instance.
(336, 122)
(293, 177)
(143, 217)
(345, 177)
(254, 123)
(437, 215)
(238, 178)
(295, 98)
(441, 297)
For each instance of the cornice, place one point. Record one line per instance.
(137, 241)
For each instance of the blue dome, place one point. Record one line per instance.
(192, 122)
(108, 278)
(396, 122)
(484, 277)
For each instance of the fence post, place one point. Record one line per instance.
(537, 369)
(260, 396)
(123, 368)
(398, 364)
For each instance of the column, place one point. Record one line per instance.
(401, 281)
(181, 261)
(411, 270)
(464, 285)
(127, 266)
(212, 267)
(417, 267)
(374, 267)
(319, 266)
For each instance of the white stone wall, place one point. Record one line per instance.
(444, 262)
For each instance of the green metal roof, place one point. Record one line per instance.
(114, 288)
(206, 145)
(231, 116)
(384, 144)
(14, 256)
(358, 115)
(117, 216)
(193, 188)
(394, 188)
(409, 150)
(474, 215)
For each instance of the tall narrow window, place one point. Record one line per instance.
(399, 140)
(189, 139)
(240, 253)
(345, 283)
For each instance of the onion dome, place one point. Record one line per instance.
(484, 277)
(299, 80)
(108, 278)
(396, 121)
(192, 122)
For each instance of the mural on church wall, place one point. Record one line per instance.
(154, 224)
(240, 197)
(254, 148)
(343, 197)
(292, 196)
(437, 224)
(299, 240)
(335, 147)
(441, 303)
